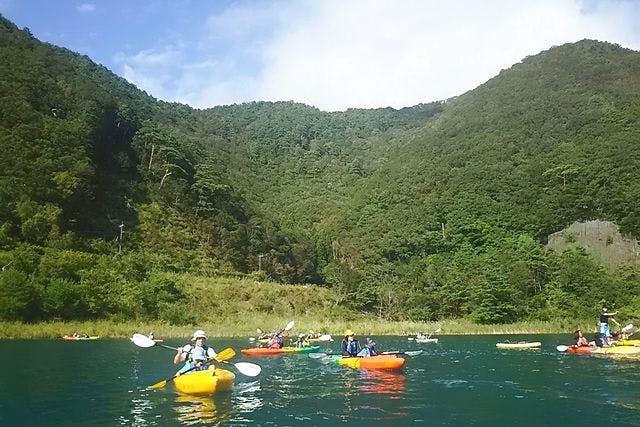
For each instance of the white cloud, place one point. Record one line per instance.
(86, 8)
(400, 53)
(337, 54)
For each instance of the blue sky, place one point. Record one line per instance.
(333, 54)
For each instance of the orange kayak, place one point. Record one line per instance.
(391, 362)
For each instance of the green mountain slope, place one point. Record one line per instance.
(435, 210)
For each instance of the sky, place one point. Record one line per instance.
(332, 54)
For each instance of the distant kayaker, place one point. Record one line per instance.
(350, 345)
(605, 317)
(196, 355)
(302, 342)
(369, 348)
(579, 340)
(276, 340)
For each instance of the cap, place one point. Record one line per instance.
(301, 335)
(199, 334)
(348, 332)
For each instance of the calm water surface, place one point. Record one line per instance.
(463, 380)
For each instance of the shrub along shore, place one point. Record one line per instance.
(246, 327)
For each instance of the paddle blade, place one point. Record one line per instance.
(259, 331)
(325, 337)
(628, 327)
(437, 331)
(562, 348)
(158, 385)
(225, 354)
(413, 353)
(142, 341)
(248, 369)
(317, 355)
(326, 360)
(289, 326)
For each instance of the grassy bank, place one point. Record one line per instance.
(246, 326)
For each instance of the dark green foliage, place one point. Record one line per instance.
(437, 210)
(18, 296)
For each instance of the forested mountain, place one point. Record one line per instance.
(436, 210)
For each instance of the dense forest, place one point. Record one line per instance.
(108, 195)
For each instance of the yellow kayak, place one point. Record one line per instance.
(519, 345)
(627, 342)
(622, 349)
(204, 382)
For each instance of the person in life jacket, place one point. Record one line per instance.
(350, 345)
(579, 340)
(196, 355)
(302, 342)
(603, 321)
(276, 340)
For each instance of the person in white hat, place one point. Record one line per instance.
(195, 356)
(302, 342)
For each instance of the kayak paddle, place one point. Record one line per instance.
(317, 355)
(289, 326)
(161, 384)
(245, 368)
(562, 348)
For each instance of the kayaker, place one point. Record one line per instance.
(605, 317)
(302, 342)
(579, 340)
(350, 345)
(196, 355)
(369, 348)
(276, 340)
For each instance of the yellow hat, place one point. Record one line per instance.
(348, 332)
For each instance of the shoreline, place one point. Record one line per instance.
(237, 328)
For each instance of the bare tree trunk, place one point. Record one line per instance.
(166, 174)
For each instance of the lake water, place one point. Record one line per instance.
(461, 381)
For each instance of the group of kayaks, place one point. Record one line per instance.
(257, 351)
(76, 337)
(621, 347)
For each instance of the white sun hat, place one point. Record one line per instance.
(199, 334)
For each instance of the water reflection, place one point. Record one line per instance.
(388, 383)
(195, 410)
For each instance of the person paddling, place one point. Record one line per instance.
(276, 341)
(196, 355)
(302, 342)
(369, 348)
(579, 340)
(350, 345)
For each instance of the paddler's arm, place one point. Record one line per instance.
(181, 355)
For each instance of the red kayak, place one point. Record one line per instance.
(580, 349)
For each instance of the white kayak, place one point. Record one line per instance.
(519, 345)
